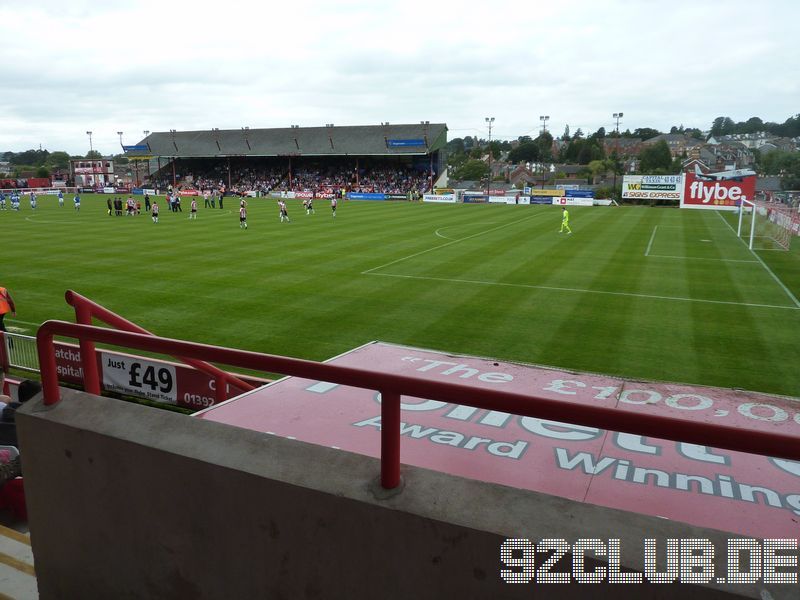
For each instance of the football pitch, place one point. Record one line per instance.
(641, 292)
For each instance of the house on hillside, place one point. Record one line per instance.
(778, 143)
(678, 143)
(622, 146)
(752, 141)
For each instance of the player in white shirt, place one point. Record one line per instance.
(242, 216)
(154, 212)
(284, 214)
(333, 206)
(193, 210)
(33, 201)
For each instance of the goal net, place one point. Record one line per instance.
(768, 225)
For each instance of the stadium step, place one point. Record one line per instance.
(17, 576)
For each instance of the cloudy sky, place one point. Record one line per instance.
(135, 65)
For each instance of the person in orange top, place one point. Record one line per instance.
(6, 306)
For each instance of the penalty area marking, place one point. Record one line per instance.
(585, 291)
(653, 237)
(650, 245)
(763, 264)
(733, 260)
(450, 243)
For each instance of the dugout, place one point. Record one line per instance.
(169, 155)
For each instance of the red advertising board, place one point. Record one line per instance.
(730, 491)
(717, 195)
(158, 380)
(188, 193)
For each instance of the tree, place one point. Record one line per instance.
(599, 134)
(58, 160)
(566, 137)
(656, 157)
(34, 158)
(43, 172)
(585, 154)
(723, 126)
(597, 168)
(545, 144)
(472, 170)
(526, 152)
(578, 134)
(752, 125)
(784, 164)
(455, 146)
(695, 133)
(646, 133)
(93, 154)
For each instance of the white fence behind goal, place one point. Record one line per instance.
(768, 226)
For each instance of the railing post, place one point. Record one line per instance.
(390, 440)
(91, 377)
(221, 391)
(4, 361)
(47, 366)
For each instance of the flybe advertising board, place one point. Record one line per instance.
(690, 191)
(717, 195)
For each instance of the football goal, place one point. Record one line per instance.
(767, 225)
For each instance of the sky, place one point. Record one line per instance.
(71, 67)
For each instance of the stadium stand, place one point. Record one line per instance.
(385, 159)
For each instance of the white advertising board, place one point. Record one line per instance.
(441, 198)
(652, 187)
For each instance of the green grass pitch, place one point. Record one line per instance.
(640, 292)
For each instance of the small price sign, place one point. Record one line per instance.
(139, 377)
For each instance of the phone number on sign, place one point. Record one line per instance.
(688, 560)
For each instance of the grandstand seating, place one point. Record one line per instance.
(267, 176)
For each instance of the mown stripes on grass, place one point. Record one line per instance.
(503, 283)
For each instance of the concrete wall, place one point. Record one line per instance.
(127, 501)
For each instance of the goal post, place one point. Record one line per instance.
(767, 225)
(744, 207)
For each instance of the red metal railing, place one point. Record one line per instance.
(86, 309)
(391, 387)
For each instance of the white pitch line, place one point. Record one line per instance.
(369, 271)
(34, 219)
(734, 260)
(650, 245)
(763, 264)
(585, 291)
(23, 322)
(441, 235)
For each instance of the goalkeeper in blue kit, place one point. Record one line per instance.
(565, 221)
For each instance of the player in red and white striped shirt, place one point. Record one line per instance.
(242, 216)
(193, 210)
